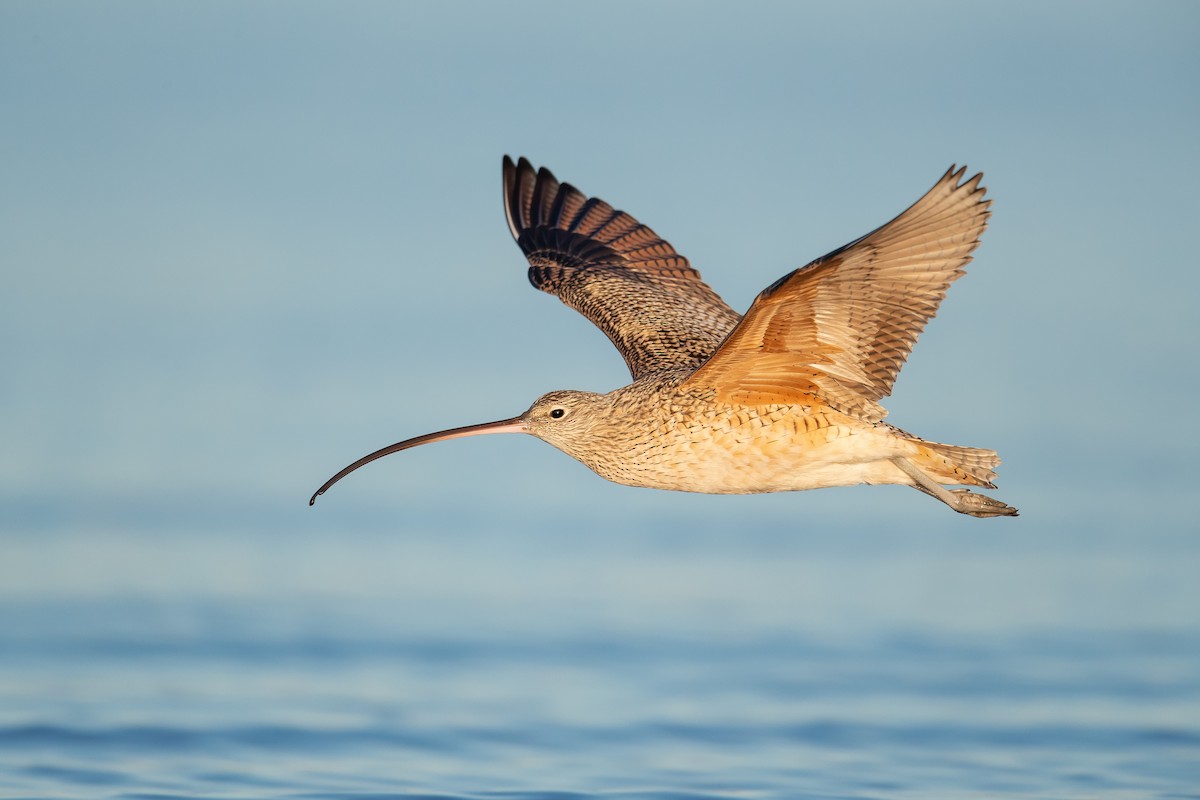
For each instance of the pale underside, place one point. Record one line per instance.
(720, 449)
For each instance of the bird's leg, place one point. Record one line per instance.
(963, 501)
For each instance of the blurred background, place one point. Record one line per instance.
(244, 244)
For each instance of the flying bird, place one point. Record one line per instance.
(782, 398)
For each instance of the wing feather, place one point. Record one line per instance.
(615, 271)
(839, 329)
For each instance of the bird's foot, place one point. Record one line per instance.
(979, 505)
(964, 501)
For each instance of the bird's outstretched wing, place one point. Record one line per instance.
(840, 328)
(615, 271)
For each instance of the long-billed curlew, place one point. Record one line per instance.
(781, 399)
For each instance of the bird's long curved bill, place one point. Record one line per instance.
(514, 425)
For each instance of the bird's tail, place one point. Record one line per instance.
(952, 464)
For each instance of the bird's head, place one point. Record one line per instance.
(565, 418)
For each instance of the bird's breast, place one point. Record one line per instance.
(721, 449)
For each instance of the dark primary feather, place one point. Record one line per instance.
(615, 271)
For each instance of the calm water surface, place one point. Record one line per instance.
(491, 667)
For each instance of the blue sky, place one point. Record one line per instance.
(243, 244)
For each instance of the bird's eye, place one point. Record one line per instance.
(558, 413)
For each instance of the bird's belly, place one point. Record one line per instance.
(773, 454)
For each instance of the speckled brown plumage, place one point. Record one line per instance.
(785, 398)
(615, 271)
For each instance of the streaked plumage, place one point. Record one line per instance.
(615, 271)
(783, 398)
